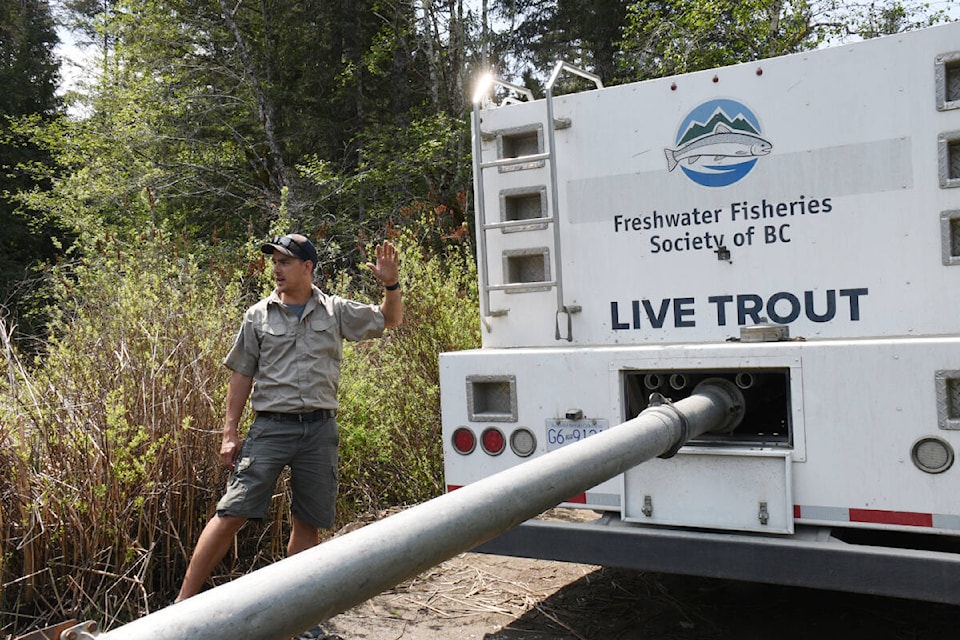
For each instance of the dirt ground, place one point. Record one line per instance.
(486, 597)
(483, 597)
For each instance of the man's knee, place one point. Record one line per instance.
(302, 537)
(305, 528)
(226, 524)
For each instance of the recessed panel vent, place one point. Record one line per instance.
(953, 157)
(948, 151)
(948, 81)
(948, 399)
(520, 142)
(527, 266)
(524, 204)
(492, 398)
(950, 236)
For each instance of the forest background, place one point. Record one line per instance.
(132, 206)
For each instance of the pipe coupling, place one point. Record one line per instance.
(661, 404)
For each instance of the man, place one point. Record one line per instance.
(286, 359)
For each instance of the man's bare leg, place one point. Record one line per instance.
(214, 542)
(302, 537)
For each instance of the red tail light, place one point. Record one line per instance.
(464, 441)
(493, 441)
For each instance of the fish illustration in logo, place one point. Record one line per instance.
(718, 143)
(724, 142)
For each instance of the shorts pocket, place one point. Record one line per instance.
(243, 464)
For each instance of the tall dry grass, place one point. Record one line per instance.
(109, 439)
(106, 436)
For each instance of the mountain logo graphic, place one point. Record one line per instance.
(718, 143)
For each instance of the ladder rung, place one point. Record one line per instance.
(521, 285)
(516, 223)
(506, 162)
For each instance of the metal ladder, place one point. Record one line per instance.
(484, 225)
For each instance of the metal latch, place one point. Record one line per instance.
(764, 331)
(764, 515)
(69, 630)
(84, 631)
(647, 509)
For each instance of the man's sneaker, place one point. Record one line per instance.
(317, 633)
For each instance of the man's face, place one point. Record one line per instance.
(291, 275)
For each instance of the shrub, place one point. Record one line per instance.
(391, 448)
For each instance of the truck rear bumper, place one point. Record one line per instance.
(812, 557)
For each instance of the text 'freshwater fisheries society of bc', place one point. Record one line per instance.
(764, 223)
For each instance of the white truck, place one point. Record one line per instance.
(791, 225)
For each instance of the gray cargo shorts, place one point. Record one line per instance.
(308, 448)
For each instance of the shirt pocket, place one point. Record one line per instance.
(274, 341)
(323, 338)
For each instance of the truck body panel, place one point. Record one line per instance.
(790, 225)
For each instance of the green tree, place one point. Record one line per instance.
(539, 33)
(28, 69)
(29, 75)
(204, 108)
(677, 36)
(421, 169)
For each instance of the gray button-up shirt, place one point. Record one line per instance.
(295, 363)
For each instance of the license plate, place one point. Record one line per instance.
(563, 432)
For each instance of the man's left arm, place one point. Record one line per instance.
(387, 272)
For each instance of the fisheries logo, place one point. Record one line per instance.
(718, 143)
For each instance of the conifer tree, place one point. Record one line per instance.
(29, 75)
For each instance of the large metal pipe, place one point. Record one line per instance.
(283, 599)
